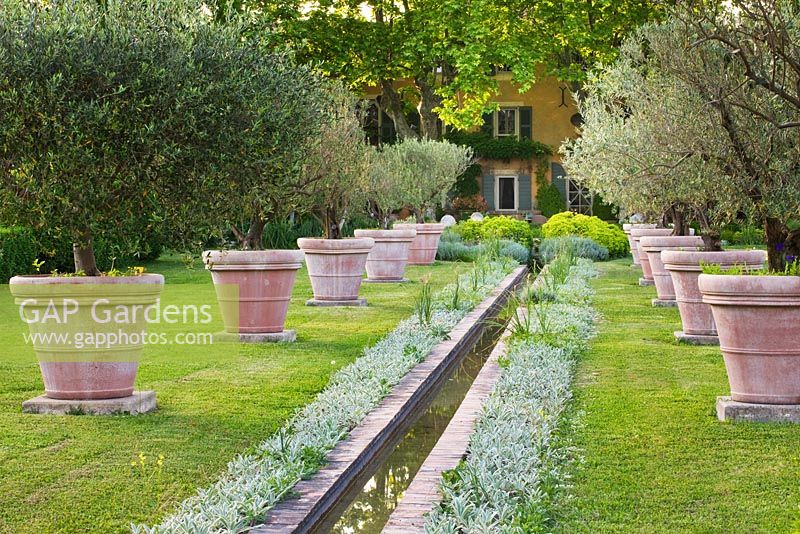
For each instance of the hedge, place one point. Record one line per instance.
(17, 252)
(549, 200)
(608, 235)
(500, 227)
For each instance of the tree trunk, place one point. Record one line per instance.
(83, 256)
(333, 229)
(428, 120)
(253, 239)
(678, 220)
(419, 216)
(393, 106)
(776, 233)
(712, 241)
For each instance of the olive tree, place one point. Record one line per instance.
(429, 170)
(337, 164)
(660, 132)
(389, 181)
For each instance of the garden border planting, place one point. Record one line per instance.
(380, 429)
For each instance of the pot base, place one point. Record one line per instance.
(287, 336)
(139, 403)
(731, 410)
(331, 303)
(398, 281)
(646, 282)
(660, 303)
(695, 339)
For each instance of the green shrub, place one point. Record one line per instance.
(608, 235)
(745, 234)
(17, 252)
(581, 247)
(500, 227)
(607, 212)
(456, 251)
(467, 184)
(549, 200)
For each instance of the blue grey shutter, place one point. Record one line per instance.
(558, 174)
(524, 192)
(526, 122)
(488, 190)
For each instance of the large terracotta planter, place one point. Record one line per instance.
(335, 267)
(253, 287)
(685, 267)
(627, 227)
(652, 246)
(637, 234)
(92, 350)
(758, 322)
(423, 248)
(387, 260)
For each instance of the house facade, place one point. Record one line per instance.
(546, 114)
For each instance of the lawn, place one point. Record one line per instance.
(656, 458)
(75, 473)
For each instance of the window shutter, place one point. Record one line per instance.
(488, 190)
(526, 122)
(488, 123)
(524, 201)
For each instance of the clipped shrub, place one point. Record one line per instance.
(456, 251)
(500, 227)
(608, 235)
(467, 184)
(450, 236)
(17, 252)
(453, 249)
(607, 212)
(549, 200)
(512, 249)
(581, 247)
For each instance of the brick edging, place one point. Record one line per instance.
(384, 425)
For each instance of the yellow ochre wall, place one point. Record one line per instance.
(551, 120)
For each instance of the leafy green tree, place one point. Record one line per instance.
(449, 49)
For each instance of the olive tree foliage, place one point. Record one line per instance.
(428, 169)
(389, 180)
(660, 135)
(125, 117)
(337, 164)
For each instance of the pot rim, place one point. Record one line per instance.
(423, 228)
(394, 234)
(750, 290)
(689, 260)
(348, 245)
(642, 232)
(657, 243)
(46, 279)
(269, 259)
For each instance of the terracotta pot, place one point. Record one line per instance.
(627, 227)
(335, 266)
(637, 234)
(423, 248)
(388, 258)
(253, 287)
(758, 323)
(652, 246)
(685, 267)
(108, 313)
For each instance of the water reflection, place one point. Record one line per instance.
(372, 507)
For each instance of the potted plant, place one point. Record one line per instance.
(432, 167)
(387, 186)
(337, 168)
(119, 137)
(253, 285)
(627, 227)
(652, 247)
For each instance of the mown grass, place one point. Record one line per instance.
(656, 458)
(75, 473)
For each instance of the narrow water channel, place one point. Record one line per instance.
(372, 506)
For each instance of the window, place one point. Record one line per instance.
(579, 199)
(506, 123)
(506, 191)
